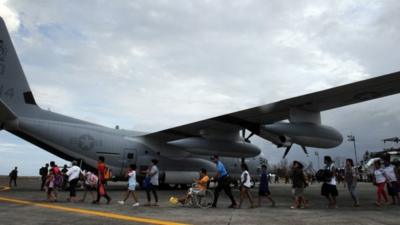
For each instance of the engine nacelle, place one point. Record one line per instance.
(180, 177)
(305, 134)
(202, 146)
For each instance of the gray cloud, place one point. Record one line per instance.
(152, 65)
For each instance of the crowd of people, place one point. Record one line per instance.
(94, 182)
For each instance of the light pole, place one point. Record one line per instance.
(317, 155)
(352, 138)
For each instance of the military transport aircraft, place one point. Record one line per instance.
(181, 150)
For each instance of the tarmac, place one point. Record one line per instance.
(25, 204)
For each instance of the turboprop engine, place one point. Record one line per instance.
(303, 134)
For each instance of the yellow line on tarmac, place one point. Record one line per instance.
(4, 188)
(92, 212)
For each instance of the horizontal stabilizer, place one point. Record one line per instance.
(5, 113)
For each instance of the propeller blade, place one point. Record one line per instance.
(243, 133)
(287, 151)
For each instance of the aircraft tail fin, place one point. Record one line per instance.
(16, 97)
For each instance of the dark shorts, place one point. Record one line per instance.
(264, 193)
(393, 189)
(329, 190)
(244, 188)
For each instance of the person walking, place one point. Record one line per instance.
(73, 175)
(131, 174)
(329, 189)
(13, 177)
(64, 171)
(90, 185)
(351, 176)
(151, 183)
(379, 179)
(53, 182)
(224, 182)
(245, 185)
(101, 189)
(299, 183)
(43, 172)
(263, 189)
(392, 182)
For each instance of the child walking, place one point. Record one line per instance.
(263, 190)
(131, 186)
(245, 186)
(299, 184)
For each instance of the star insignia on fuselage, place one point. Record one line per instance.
(85, 142)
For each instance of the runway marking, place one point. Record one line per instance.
(92, 212)
(4, 188)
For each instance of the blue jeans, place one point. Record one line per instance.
(351, 186)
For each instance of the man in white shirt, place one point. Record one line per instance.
(392, 182)
(151, 181)
(329, 189)
(73, 178)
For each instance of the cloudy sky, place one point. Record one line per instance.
(151, 65)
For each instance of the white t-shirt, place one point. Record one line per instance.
(154, 178)
(390, 174)
(73, 173)
(379, 176)
(132, 178)
(242, 177)
(332, 169)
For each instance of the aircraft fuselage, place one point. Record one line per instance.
(72, 139)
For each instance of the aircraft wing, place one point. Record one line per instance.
(252, 118)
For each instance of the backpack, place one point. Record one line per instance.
(58, 180)
(324, 175)
(107, 174)
(41, 171)
(92, 180)
(146, 183)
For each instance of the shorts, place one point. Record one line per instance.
(329, 190)
(131, 187)
(264, 192)
(393, 189)
(196, 191)
(297, 192)
(244, 187)
(49, 190)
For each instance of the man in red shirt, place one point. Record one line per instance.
(101, 189)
